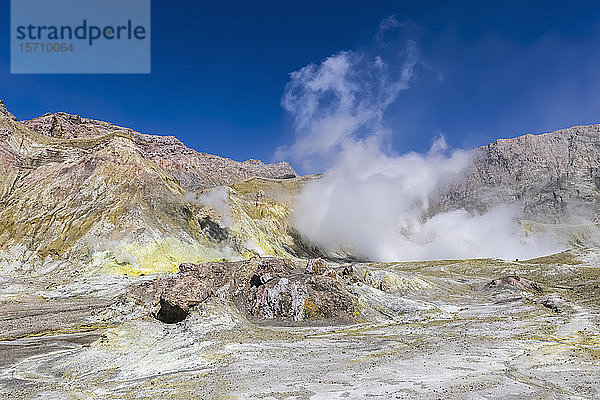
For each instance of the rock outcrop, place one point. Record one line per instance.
(552, 177)
(514, 282)
(267, 288)
(90, 196)
(193, 170)
(4, 113)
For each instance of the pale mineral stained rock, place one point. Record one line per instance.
(284, 291)
(88, 208)
(514, 282)
(553, 177)
(193, 170)
(100, 197)
(261, 288)
(316, 266)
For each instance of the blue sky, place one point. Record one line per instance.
(489, 69)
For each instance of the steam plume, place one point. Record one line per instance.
(370, 202)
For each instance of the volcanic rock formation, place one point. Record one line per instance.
(133, 266)
(85, 196)
(193, 170)
(552, 177)
(267, 288)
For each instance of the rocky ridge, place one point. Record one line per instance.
(552, 177)
(193, 170)
(87, 198)
(129, 268)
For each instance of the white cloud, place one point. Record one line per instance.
(216, 198)
(339, 102)
(389, 23)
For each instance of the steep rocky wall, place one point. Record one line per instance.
(552, 177)
(192, 169)
(107, 199)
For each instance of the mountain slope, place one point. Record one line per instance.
(553, 177)
(192, 169)
(84, 196)
(91, 196)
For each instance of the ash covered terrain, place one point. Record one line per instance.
(132, 266)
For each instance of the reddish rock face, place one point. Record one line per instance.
(192, 169)
(268, 289)
(72, 188)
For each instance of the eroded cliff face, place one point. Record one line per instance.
(133, 266)
(193, 170)
(82, 196)
(87, 195)
(552, 177)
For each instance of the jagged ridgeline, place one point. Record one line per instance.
(553, 177)
(85, 195)
(89, 196)
(552, 180)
